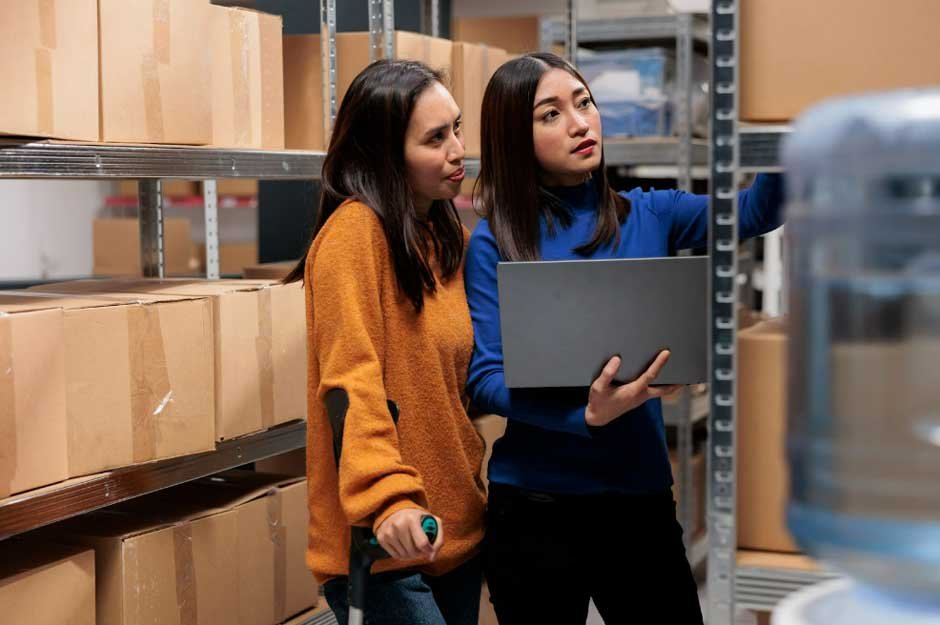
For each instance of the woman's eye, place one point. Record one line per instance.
(457, 125)
(549, 116)
(438, 137)
(585, 103)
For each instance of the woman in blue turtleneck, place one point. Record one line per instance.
(580, 505)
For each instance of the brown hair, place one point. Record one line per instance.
(509, 190)
(366, 162)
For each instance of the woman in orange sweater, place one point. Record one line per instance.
(387, 319)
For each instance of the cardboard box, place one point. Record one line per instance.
(270, 271)
(247, 79)
(49, 62)
(274, 582)
(46, 584)
(472, 66)
(303, 76)
(491, 428)
(116, 245)
(237, 186)
(789, 63)
(171, 188)
(233, 257)
(698, 489)
(226, 549)
(303, 93)
(880, 391)
(155, 69)
(260, 345)
(33, 418)
(292, 463)
(138, 374)
(151, 570)
(518, 34)
(762, 470)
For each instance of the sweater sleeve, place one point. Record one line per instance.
(347, 273)
(686, 215)
(486, 383)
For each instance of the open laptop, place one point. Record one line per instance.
(562, 321)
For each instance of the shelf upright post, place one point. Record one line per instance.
(150, 202)
(571, 31)
(684, 99)
(431, 16)
(722, 246)
(382, 29)
(210, 202)
(328, 61)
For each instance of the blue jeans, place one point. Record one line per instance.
(412, 598)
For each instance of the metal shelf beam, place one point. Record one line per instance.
(638, 28)
(758, 588)
(34, 509)
(658, 151)
(43, 159)
(760, 147)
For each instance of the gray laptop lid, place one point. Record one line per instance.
(561, 321)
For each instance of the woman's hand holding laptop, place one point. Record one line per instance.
(608, 400)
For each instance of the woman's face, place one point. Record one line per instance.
(566, 129)
(434, 148)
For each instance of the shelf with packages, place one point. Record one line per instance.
(33, 509)
(636, 28)
(763, 579)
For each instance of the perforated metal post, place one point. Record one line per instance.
(431, 16)
(150, 202)
(571, 34)
(684, 99)
(382, 29)
(328, 60)
(210, 202)
(684, 451)
(723, 245)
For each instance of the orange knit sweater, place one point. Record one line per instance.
(365, 337)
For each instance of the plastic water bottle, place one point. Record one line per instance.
(864, 404)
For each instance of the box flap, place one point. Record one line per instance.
(171, 286)
(35, 299)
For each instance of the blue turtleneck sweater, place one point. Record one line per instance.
(548, 447)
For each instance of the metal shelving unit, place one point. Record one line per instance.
(684, 31)
(735, 148)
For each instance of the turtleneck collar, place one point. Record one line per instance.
(580, 197)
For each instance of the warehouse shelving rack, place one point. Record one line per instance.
(734, 148)
(683, 152)
(685, 31)
(49, 160)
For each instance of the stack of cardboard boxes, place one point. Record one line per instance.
(98, 375)
(141, 72)
(467, 68)
(222, 550)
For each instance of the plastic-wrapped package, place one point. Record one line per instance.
(635, 90)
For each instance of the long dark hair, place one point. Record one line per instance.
(366, 162)
(509, 190)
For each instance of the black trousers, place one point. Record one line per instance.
(545, 556)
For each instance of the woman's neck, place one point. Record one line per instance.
(549, 179)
